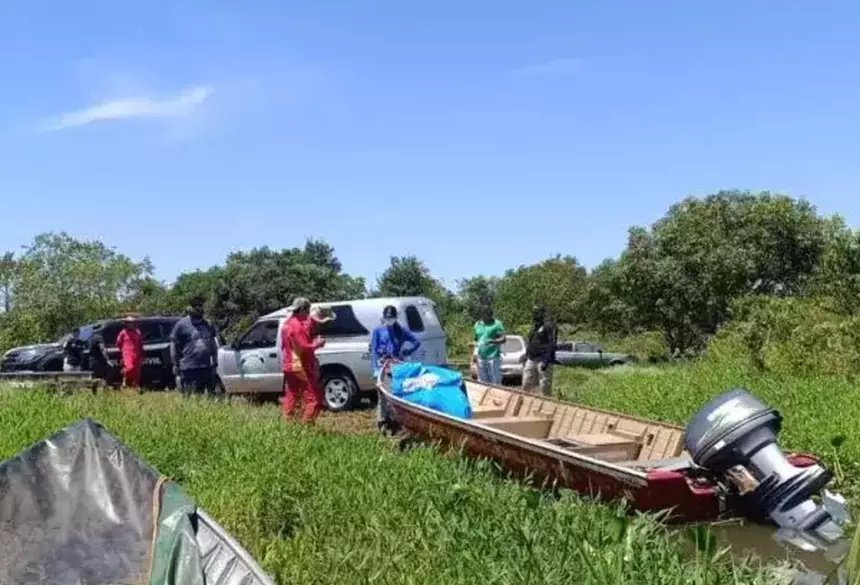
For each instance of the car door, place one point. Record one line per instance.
(258, 365)
(512, 351)
(587, 355)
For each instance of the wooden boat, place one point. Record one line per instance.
(594, 452)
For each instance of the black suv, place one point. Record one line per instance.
(157, 366)
(40, 357)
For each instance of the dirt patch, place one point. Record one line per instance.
(353, 422)
(361, 421)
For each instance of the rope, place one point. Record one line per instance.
(156, 513)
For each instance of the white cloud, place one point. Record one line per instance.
(549, 68)
(178, 106)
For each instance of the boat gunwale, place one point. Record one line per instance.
(631, 475)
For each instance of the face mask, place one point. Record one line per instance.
(389, 322)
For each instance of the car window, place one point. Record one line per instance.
(150, 331)
(585, 348)
(262, 334)
(109, 333)
(566, 346)
(344, 324)
(167, 329)
(512, 345)
(413, 319)
(86, 332)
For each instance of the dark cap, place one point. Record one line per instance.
(389, 312)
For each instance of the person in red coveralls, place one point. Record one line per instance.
(301, 367)
(129, 342)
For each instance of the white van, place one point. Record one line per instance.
(252, 365)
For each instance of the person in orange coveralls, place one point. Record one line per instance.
(129, 342)
(301, 367)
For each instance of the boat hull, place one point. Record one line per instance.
(683, 499)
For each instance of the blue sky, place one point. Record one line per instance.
(184, 130)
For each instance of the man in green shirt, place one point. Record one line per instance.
(489, 337)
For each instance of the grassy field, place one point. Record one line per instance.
(318, 506)
(818, 412)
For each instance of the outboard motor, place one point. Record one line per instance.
(735, 435)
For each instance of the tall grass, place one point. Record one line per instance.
(316, 507)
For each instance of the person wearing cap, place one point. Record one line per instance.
(194, 351)
(387, 342)
(129, 342)
(300, 365)
(540, 353)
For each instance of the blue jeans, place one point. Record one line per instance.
(490, 370)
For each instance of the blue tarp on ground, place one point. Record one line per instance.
(433, 387)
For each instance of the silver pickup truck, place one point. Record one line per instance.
(588, 355)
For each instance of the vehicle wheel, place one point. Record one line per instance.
(616, 363)
(339, 391)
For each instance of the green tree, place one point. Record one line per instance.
(604, 306)
(680, 277)
(476, 293)
(559, 284)
(64, 282)
(8, 277)
(253, 283)
(407, 276)
(838, 274)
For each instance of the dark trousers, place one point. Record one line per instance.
(197, 381)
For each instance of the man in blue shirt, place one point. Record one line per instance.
(194, 351)
(386, 342)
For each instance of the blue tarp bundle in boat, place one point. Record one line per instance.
(433, 387)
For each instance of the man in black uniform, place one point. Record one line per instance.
(98, 358)
(73, 352)
(540, 353)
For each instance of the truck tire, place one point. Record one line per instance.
(340, 391)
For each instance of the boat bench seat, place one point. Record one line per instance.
(605, 446)
(533, 427)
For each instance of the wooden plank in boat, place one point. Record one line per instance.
(533, 427)
(601, 446)
(601, 439)
(487, 411)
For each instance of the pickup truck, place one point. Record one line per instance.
(588, 355)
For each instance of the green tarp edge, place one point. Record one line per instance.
(175, 553)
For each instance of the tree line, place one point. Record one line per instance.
(731, 261)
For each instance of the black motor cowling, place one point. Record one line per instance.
(735, 435)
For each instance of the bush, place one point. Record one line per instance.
(791, 336)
